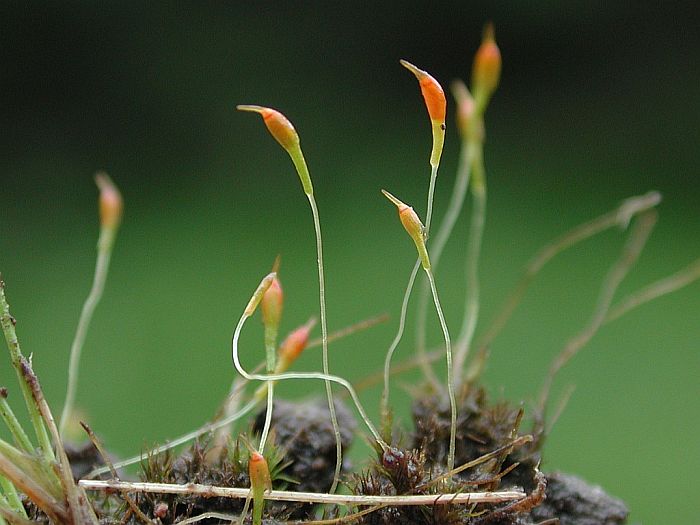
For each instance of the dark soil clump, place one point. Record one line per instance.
(575, 502)
(303, 431)
(482, 428)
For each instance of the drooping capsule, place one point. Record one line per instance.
(435, 101)
(283, 131)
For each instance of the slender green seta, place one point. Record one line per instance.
(476, 233)
(110, 217)
(284, 133)
(413, 226)
(271, 305)
(436, 104)
(297, 375)
(450, 372)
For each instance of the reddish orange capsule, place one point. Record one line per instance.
(279, 126)
(413, 226)
(259, 482)
(271, 304)
(465, 107)
(432, 91)
(486, 70)
(294, 345)
(259, 473)
(111, 203)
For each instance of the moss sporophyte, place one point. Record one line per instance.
(467, 460)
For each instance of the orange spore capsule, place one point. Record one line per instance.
(432, 91)
(111, 203)
(272, 303)
(259, 472)
(486, 70)
(294, 345)
(277, 124)
(413, 226)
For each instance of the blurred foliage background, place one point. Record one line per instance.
(597, 103)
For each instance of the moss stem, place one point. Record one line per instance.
(324, 342)
(476, 233)
(437, 247)
(450, 374)
(300, 375)
(104, 254)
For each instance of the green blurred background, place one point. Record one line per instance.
(596, 103)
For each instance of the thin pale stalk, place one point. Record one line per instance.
(450, 375)
(630, 253)
(347, 518)
(424, 362)
(619, 216)
(246, 507)
(454, 208)
(300, 375)
(204, 429)
(229, 406)
(476, 233)
(431, 198)
(306, 497)
(8, 327)
(105, 458)
(661, 287)
(402, 366)
(14, 426)
(515, 443)
(425, 365)
(270, 353)
(210, 515)
(348, 330)
(104, 254)
(268, 416)
(324, 343)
